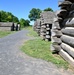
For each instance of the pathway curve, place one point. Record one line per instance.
(15, 62)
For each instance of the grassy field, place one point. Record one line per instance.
(5, 33)
(41, 49)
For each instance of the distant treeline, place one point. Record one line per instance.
(9, 17)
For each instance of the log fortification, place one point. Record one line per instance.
(63, 31)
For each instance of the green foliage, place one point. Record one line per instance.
(24, 22)
(15, 19)
(48, 9)
(34, 14)
(8, 17)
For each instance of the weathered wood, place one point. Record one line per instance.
(47, 28)
(60, 19)
(56, 47)
(65, 3)
(43, 37)
(47, 25)
(56, 40)
(68, 40)
(52, 48)
(56, 25)
(43, 30)
(56, 32)
(68, 31)
(67, 57)
(47, 32)
(68, 8)
(70, 22)
(68, 49)
(72, 6)
(47, 36)
(71, 14)
(43, 33)
(43, 26)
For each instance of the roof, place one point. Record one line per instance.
(6, 24)
(47, 17)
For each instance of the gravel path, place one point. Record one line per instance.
(14, 62)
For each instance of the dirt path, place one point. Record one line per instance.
(15, 62)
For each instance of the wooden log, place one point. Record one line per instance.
(52, 48)
(43, 30)
(43, 33)
(60, 19)
(68, 40)
(71, 14)
(68, 31)
(38, 27)
(67, 57)
(56, 25)
(43, 26)
(62, 11)
(56, 19)
(56, 47)
(47, 28)
(68, 49)
(68, 8)
(47, 32)
(56, 40)
(70, 22)
(72, 6)
(56, 32)
(65, 3)
(47, 25)
(43, 37)
(48, 36)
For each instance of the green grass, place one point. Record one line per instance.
(31, 32)
(41, 49)
(5, 33)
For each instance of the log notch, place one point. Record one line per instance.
(67, 29)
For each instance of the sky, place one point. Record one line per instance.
(21, 8)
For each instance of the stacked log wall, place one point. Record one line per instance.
(37, 26)
(66, 22)
(9, 26)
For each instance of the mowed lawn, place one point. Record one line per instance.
(41, 49)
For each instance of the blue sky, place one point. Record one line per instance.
(21, 8)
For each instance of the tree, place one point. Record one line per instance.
(3, 16)
(22, 22)
(15, 19)
(8, 17)
(27, 22)
(34, 14)
(48, 9)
